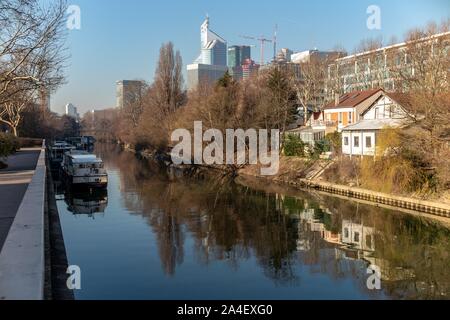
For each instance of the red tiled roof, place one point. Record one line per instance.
(403, 99)
(352, 99)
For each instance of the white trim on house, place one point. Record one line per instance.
(360, 139)
(365, 146)
(335, 110)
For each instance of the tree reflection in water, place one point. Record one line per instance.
(284, 229)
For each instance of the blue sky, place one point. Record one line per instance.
(120, 39)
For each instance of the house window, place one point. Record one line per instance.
(376, 113)
(345, 141)
(340, 117)
(356, 142)
(350, 115)
(356, 237)
(368, 241)
(346, 232)
(368, 142)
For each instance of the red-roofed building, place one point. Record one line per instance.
(346, 109)
(390, 110)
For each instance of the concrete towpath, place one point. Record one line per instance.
(14, 181)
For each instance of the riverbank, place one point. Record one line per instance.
(306, 173)
(300, 173)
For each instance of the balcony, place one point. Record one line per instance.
(323, 124)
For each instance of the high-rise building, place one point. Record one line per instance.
(212, 62)
(284, 55)
(128, 92)
(246, 53)
(249, 68)
(44, 97)
(233, 56)
(204, 74)
(215, 53)
(315, 55)
(237, 55)
(71, 111)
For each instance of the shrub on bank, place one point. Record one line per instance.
(8, 144)
(293, 146)
(320, 147)
(399, 169)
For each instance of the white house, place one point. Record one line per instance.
(358, 235)
(389, 110)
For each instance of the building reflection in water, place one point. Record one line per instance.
(284, 230)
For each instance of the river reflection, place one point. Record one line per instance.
(169, 237)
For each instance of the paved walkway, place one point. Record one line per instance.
(14, 181)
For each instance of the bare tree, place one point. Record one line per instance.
(310, 87)
(31, 50)
(168, 83)
(11, 110)
(164, 97)
(422, 69)
(133, 103)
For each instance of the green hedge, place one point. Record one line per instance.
(293, 146)
(8, 144)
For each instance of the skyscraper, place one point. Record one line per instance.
(71, 111)
(213, 46)
(233, 56)
(212, 62)
(128, 92)
(237, 57)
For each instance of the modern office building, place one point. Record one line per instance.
(72, 111)
(371, 69)
(212, 62)
(215, 53)
(204, 73)
(315, 55)
(249, 68)
(284, 55)
(244, 71)
(237, 55)
(128, 92)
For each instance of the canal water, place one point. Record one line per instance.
(154, 235)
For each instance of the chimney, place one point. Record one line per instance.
(336, 99)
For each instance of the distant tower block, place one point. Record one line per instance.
(44, 99)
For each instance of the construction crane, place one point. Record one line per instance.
(262, 41)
